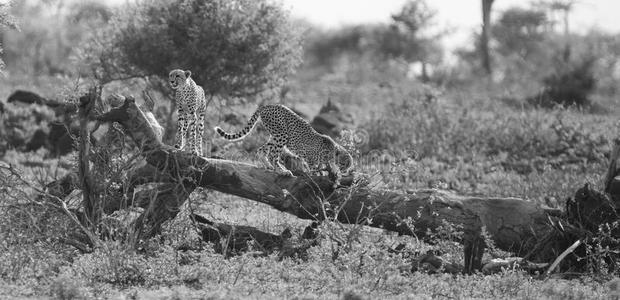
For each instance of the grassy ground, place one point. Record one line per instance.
(466, 139)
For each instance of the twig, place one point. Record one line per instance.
(239, 272)
(149, 104)
(562, 256)
(82, 247)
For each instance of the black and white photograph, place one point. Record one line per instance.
(309, 149)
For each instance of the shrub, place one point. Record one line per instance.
(601, 254)
(520, 31)
(46, 47)
(406, 39)
(570, 85)
(237, 48)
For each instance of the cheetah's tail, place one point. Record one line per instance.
(244, 132)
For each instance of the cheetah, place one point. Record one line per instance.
(191, 104)
(288, 131)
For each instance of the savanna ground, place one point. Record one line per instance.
(475, 136)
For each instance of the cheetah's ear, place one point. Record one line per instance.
(188, 73)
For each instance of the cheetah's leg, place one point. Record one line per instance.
(303, 164)
(181, 130)
(275, 154)
(275, 159)
(193, 136)
(200, 132)
(263, 154)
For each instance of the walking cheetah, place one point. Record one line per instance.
(291, 132)
(191, 104)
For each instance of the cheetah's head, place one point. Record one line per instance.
(178, 78)
(339, 154)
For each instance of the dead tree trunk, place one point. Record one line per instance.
(90, 195)
(485, 35)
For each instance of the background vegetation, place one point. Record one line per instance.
(538, 127)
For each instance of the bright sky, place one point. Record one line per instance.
(461, 15)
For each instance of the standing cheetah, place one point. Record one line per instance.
(290, 131)
(191, 104)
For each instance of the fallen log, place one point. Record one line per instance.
(234, 239)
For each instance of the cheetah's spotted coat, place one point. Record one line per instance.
(291, 132)
(191, 104)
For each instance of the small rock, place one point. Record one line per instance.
(25, 97)
(331, 120)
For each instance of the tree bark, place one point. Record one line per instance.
(485, 36)
(90, 195)
(237, 239)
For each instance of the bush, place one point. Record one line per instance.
(237, 48)
(46, 47)
(568, 86)
(406, 39)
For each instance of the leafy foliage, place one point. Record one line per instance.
(47, 46)
(407, 37)
(6, 20)
(520, 31)
(324, 48)
(237, 48)
(570, 85)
